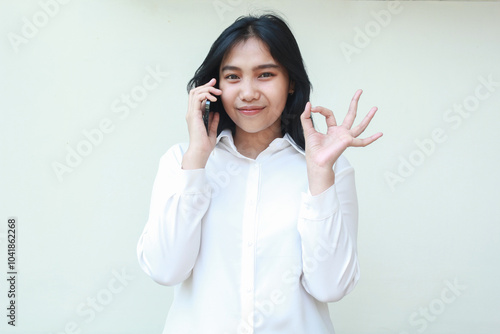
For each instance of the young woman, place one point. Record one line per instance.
(255, 223)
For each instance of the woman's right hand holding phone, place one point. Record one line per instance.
(201, 144)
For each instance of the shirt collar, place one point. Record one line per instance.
(226, 137)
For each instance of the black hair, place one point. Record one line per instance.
(275, 33)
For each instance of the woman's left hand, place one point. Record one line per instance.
(322, 150)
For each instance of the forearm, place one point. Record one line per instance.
(195, 158)
(329, 259)
(169, 244)
(328, 230)
(320, 178)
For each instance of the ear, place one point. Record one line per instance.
(291, 87)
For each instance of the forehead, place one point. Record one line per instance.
(252, 50)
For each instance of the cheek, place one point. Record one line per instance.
(225, 101)
(227, 97)
(277, 92)
(280, 99)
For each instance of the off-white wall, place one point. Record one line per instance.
(428, 220)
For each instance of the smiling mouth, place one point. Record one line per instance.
(250, 110)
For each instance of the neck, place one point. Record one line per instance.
(252, 144)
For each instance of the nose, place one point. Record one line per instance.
(248, 90)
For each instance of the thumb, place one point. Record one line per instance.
(306, 120)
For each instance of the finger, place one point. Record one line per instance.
(356, 131)
(209, 95)
(203, 89)
(202, 106)
(204, 97)
(210, 83)
(215, 91)
(353, 107)
(357, 142)
(211, 87)
(329, 117)
(213, 123)
(305, 119)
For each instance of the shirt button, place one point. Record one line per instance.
(250, 244)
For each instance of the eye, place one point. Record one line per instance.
(266, 75)
(231, 77)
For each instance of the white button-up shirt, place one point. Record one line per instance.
(246, 246)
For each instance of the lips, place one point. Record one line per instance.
(250, 110)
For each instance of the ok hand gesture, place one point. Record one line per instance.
(322, 150)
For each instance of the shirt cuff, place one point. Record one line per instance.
(321, 206)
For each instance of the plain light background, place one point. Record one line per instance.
(429, 214)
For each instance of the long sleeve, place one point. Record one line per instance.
(328, 225)
(247, 247)
(169, 245)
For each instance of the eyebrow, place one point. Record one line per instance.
(260, 67)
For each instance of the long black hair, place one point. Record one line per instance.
(275, 33)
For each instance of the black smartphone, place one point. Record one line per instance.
(206, 112)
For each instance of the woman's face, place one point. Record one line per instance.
(254, 87)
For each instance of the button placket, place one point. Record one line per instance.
(248, 238)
